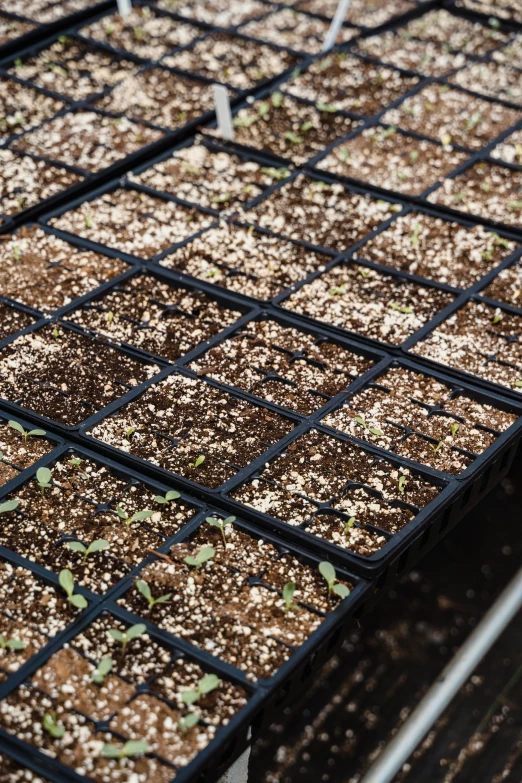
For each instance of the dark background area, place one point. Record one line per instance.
(364, 694)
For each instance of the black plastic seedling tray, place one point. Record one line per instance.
(266, 697)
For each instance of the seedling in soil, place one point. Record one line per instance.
(221, 524)
(207, 684)
(204, 554)
(497, 317)
(373, 430)
(402, 483)
(66, 580)
(51, 725)
(144, 589)
(76, 462)
(197, 462)
(88, 221)
(97, 546)
(168, 498)
(338, 291)
(188, 722)
(123, 638)
(293, 138)
(277, 100)
(44, 479)
(401, 308)
(276, 174)
(138, 516)
(288, 597)
(415, 234)
(454, 428)
(327, 571)
(11, 644)
(26, 433)
(518, 384)
(130, 432)
(9, 505)
(110, 317)
(327, 107)
(16, 253)
(131, 749)
(348, 525)
(102, 670)
(437, 447)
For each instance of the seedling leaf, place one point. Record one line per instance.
(189, 721)
(9, 505)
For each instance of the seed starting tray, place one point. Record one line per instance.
(325, 439)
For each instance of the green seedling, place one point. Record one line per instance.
(138, 516)
(144, 589)
(415, 234)
(435, 448)
(16, 252)
(56, 332)
(197, 462)
(327, 571)
(454, 428)
(221, 524)
(414, 156)
(123, 638)
(401, 308)
(44, 479)
(25, 433)
(110, 318)
(497, 318)
(288, 597)
(277, 100)
(189, 721)
(129, 750)
(348, 525)
(223, 198)
(102, 670)
(51, 725)
(306, 126)
(168, 498)
(364, 272)
(204, 554)
(293, 138)
(66, 581)
(244, 122)
(99, 545)
(327, 107)
(518, 384)
(207, 684)
(129, 432)
(88, 221)
(475, 119)
(274, 173)
(9, 505)
(263, 108)
(338, 291)
(372, 430)
(11, 644)
(515, 204)
(402, 484)
(76, 462)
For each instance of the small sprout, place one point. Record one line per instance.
(168, 498)
(197, 462)
(244, 122)
(364, 272)
(401, 308)
(25, 433)
(277, 100)
(415, 234)
(518, 384)
(138, 516)
(414, 156)
(348, 525)
(123, 638)
(454, 428)
(76, 462)
(515, 204)
(129, 432)
(223, 198)
(44, 477)
(306, 126)
(88, 221)
(497, 317)
(144, 589)
(128, 750)
(9, 505)
(18, 63)
(275, 173)
(387, 133)
(16, 252)
(204, 554)
(372, 430)
(445, 139)
(288, 597)
(437, 447)
(99, 545)
(263, 108)
(474, 120)
(327, 107)
(402, 484)
(51, 725)
(189, 721)
(11, 644)
(494, 23)
(67, 584)
(56, 333)
(110, 317)
(207, 684)
(327, 571)
(338, 291)
(102, 670)
(221, 524)
(293, 138)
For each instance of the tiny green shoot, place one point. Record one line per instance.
(402, 483)
(405, 309)
(326, 107)
(204, 554)
(415, 234)
(51, 725)
(221, 524)
(293, 138)
(128, 750)
(44, 479)
(145, 591)
(11, 644)
(168, 498)
(102, 670)
(88, 221)
(277, 99)
(138, 516)
(9, 505)
(25, 433)
(16, 252)
(454, 428)
(99, 545)
(197, 462)
(65, 578)
(373, 430)
(189, 721)
(348, 525)
(206, 684)
(124, 637)
(327, 571)
(274, 173)
(288, 597)
(435, 448)
(129, 432)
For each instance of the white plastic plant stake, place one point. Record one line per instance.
(223, 113)
(124, 7)
(337, 23)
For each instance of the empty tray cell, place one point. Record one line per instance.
(73, 68)
(209, 177)
(452, 116)
(20, 450)
(322, 214)
(282, 365)
(240, 62)
(390, 159)
(22, 107)
(132, 222)
(425, 57)
(66, 376)
(503, 9)
(221, 13)
(437, 249)
(192, 429)
(11, 29)
(368, 13)
(248, 262)
(506, 287)
(456, 32)
(295, 30)
(486, 190)
(481, 340)
(26, 181)
(350, 84)
(510, 149)
(31, 255)
(87, 140)
(155, 317)
(491, 78)
(161, 97)
(143, 32)
(423, 419)
(374, 305)
(12, 321)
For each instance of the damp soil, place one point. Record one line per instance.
(497, 80)
(19, 452)
(10, 29)
(506, 287)
(510, 149)
(295, 30)
(439, 26)
(221, 13)
(424, 57)
(13, 321)
(367, 14)
(22, 108)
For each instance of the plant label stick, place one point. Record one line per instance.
(337, 22)
(223, 113)
(124, 7)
